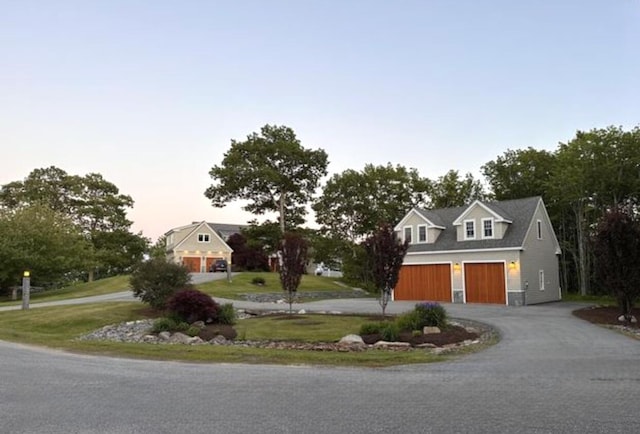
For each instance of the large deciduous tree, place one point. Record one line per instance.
(43, 241)
(293, 261)
(450, 190)
(272, 171)
(386, 253)
(617, 258)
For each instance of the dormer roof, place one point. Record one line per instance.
(494, 209)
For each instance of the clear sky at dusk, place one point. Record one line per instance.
(150, 93)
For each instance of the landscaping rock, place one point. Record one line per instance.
(218, 340)
(429, 330)
(198, 324)
(195, 340)
(351, 339)
(302, 312)
(391, 344)
(164, 336)
(179, 338)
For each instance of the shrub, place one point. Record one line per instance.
(193, 331)
(430, 314)
(227, 314)
(164, 325)
(258, 281)
(370, 328)
(156, 280)
(390, 332)
(192, 305)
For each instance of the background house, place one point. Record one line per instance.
(199, 244)
(488, 252)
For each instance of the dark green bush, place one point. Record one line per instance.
(370, 328)
(227, 314)
(164, 325)
(409, 321)
(156, 280)
(430, 314)
(390, 332)
(192, 305)
(258, 281)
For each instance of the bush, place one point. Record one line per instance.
(258, 281)
(430, 314)
(409, 321)
(370, 328)
(227, 314)
(192, 305)
(156, 280)
(193, 331)
(390, 332)
(164, 325)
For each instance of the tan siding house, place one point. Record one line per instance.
(196, 246)
(488, 252)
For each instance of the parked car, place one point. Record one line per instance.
(218, 265)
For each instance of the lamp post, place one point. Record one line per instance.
(26, 290)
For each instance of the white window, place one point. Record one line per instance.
(539, 228)
(469, 229)
(541, 278)
(422, 234)
(203, 238)
(487, 228)
(408, 231)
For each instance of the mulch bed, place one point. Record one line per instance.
(606, 315)
(448, 336)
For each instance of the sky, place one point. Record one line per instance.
(150, 93)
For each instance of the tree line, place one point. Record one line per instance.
(580, 181)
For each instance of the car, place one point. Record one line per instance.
(218, 265)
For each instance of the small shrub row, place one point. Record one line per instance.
(425, 314)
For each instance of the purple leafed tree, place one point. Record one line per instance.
(386, 253)
(293, 260)
(617, 252)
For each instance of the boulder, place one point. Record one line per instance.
(179, 338)
(351, 339)
(218, 340)
(164, 336)
(430, 330)
(391, 344)
(199, 324)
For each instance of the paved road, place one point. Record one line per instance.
(551, 373)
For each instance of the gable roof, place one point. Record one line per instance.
(518, 212)
(429, 218)
(196, 227)
(494, 209)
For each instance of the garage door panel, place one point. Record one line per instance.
(485, 283)
(192, 264)
(424, 282)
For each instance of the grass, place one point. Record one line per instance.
(86, 289)
(241, 284)
(58, 327)
(605, 300)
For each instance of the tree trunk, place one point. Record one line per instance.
(583, 274)
(90, 278)
(282, 197)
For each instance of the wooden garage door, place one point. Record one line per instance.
(484, 283)
(193, 264)
(210, 262)
(424, 282)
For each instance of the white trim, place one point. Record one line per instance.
(204, 237)
(426, 234)
(403, 222)
(451, 271)
(195, 230)
(493, 228)
(441, 252)
(539, 229)
(461, 217)
(541, 280)
(465, 235)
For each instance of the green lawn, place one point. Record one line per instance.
(97, 287)
(57, 327)
(241, 284)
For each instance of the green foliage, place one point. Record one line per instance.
(258, 281)
(227, 314)
(192, 305)
(409, 321)
(272, 171)
(164, 324)
(390, 332)
(430, 314)
(450, 190)
(371, 328)
(193, 331)
(156, 280)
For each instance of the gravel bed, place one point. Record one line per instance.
(279, 297)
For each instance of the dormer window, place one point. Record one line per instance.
(422, 234)
(469, 229)
(487, 228)
(407, 234)
(203, 238)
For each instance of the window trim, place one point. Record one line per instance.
(404, 234)
(465, 230)
(426, 234)
(539, 229)
(493, 231)
(204, 238)
(541, 279)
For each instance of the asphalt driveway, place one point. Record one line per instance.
(551, 372)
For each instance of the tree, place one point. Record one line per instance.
(353, 203)
(246, 257)
(156, 280)
(43, 241)
(293, 261)
(272, 171)
(450, 191)
(520, 173)
(617, 252)
(159, 249)
(386, 253)
(117, 251)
